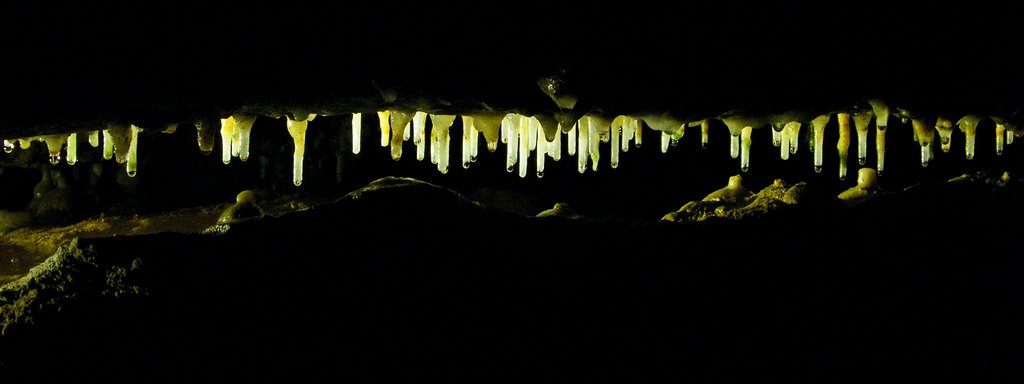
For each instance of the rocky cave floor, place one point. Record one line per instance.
(408, 280)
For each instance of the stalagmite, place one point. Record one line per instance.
(243, 128)
(400, 122)
(542, 146)
(54, 143)
(867, 181)
(704, 127)
(94, 138)
(512, 142)
(572, 140)
(819, 139)
(745, 148)
(132, 165)
(925, 136)
(615, 146)
(732, 191)
(861, 120)
(945, 128)
(108, 145)
(969, 126)
(72, 149)
(467, 130)
(582, 142)
(524, 144)
(419, 127)
(881, 111)
(1000, 136)
(843, 145)
(440, 125)
(8, 146)
(297, 129)
(665, 139)
(227, 130)
(384, 122)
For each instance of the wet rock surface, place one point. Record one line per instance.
(405, 273)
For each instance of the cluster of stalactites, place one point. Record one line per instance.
(540, 136)
(120, 142)
(522, 135)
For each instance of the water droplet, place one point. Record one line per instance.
(969, 157)
(472, 158)
(703, 145)
(465, 164)
(132, 174)
(54, 160)
(842, 177)
(924, 163)
(999, 153)
(228, 161)
(744, 168)
(862, 160)
(298, 182)
(615, 165)
(817, 169)
(792, 150)
(540, 174)
(674, 142)
(510, 168)
(880, 172)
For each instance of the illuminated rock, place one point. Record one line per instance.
(560, 210)
(244, 209)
